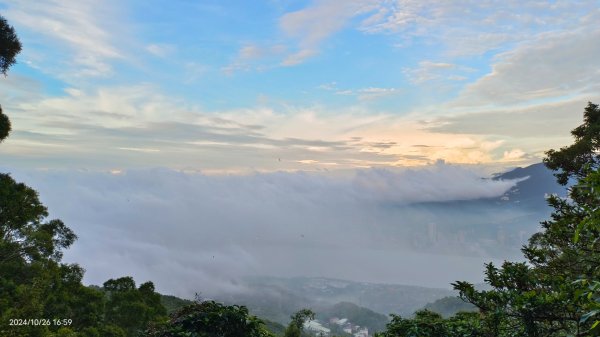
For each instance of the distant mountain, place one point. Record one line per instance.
(495, 227)
(277, 298)
(449, 306)
(173, 303)
(355, 314)
(536, 181)
(491, 227)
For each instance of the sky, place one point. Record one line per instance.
(240, 86)
(178, 104)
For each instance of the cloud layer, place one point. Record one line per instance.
(192, 232)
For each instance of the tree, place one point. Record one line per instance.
(543, 297)
(30, 252)
(131, 308)
(430, 324)
(10, 43)
(10, 47)
(4, 125)
(425, 324)
(210, 319)
(33, 281)
(294, 329)
(575, 160)
(25, 233)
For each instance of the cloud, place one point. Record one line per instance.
(555, 65)
(89, 128)
(363, 94)
(80, 27)
(514, 154)
(367, 94)
(93, 127)
(428, 71)
(190, 232)
(160, 50)
(254, 57)
(312, 25)
(544, 121)
(484, 27)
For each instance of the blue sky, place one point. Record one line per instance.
(241, 86)
(116, 107)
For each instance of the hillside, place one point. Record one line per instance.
(355, 314)
(536, 181)
(172, 303)
(449, 306)
(277, 298)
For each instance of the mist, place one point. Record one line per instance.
(191, 232)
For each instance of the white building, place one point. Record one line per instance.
(362, 332)
(315, 326)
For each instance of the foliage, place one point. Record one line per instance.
(294, 328)
(34, 284)
(10, 43)
(556, 291)
(210, 319)
(425, 323)
(588, 233)
(173, 303)
(449, 306)
(4, 125)
(26, 236)
(430, 324)
(576, 159)
(358, 315)
(30, 251)
(10, 47)
(275, 328)
(132, 308)
(550, 295)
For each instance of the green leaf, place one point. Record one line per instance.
(588, 315)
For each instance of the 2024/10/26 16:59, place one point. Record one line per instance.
(40, 321)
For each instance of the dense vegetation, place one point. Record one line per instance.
(450, 306)
(357, 315)
(554, 293)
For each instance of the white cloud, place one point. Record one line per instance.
(473, 28)
(553, 66)
(160, 50)
(87, 127)
(428, 71)
(312, 25)
(514, 154)
(484, 27)
(299, 57)
(81, 27)
(138, 149)
(189, 232)
(367, 94)
(253, 57)
(363, 94)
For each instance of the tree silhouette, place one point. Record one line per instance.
(9, 48)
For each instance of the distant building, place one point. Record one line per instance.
(362, 332)
(317, 327)
(346, 326)
(338, 321)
